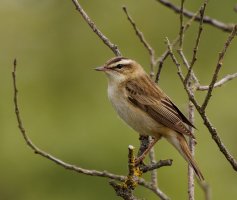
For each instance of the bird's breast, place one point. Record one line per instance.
(133, 116)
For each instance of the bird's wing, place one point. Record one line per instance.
(144, 94)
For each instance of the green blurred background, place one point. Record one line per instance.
(64, 103)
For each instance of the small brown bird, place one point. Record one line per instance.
(146, 108)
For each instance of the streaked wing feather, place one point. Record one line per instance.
(149, 98)
(171, 106)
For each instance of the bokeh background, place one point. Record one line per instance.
(64, 103)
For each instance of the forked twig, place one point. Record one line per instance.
(186, 64)
(219, 83)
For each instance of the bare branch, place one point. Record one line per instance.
(202, 113)
(162, 58)
(221, 82)
(106, 41)
(195, 49)
(212, 130)
(200, 109)
(143, 41)
(218, 67)
(208, 20)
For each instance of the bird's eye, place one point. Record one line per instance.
(119, 66)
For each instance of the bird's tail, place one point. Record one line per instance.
(180, 143)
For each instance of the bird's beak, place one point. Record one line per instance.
(101, 68)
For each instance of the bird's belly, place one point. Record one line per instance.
(136, 118)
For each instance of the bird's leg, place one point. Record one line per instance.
(141, 157)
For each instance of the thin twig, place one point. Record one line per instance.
(217, 139)
(186, 64)
(208, 20)
(195, 49)
(152, 157)
(181, 31)
(181, 76)
(106, 41)
(170, 48)
(141, 37)
(221, 82)
(218, 66)
(191, 186)
(156, 165)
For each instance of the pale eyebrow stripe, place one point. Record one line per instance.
(122, 62)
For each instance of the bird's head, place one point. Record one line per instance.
(120, 69)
